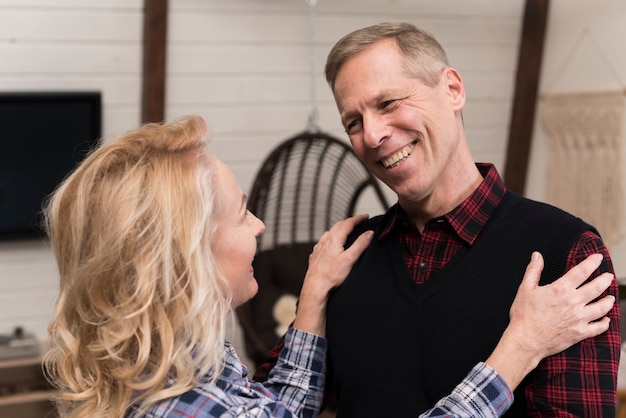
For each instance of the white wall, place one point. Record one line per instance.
(63, 45)
(75, 45)
(244, 66)
(584, 51)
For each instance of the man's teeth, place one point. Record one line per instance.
(398, 157)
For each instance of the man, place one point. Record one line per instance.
(430, 296)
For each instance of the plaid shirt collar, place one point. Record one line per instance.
(469, 218)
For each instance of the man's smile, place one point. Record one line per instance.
(398, 157)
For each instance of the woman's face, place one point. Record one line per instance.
(235, 241)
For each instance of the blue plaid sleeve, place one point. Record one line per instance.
(482, 394)
(294, 388)
(299, 375)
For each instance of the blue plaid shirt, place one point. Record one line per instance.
(295, 389)
(482, 394)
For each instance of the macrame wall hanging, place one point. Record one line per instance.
(585, 139)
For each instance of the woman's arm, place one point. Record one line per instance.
(544, 321)
(329, 265)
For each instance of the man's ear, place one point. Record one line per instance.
(455, 88)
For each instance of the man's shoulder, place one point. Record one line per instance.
(533, 209)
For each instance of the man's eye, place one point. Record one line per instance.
(386, 104)
(352, 127)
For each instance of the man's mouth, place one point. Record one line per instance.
(398, 157)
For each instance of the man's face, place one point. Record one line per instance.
(404, 131)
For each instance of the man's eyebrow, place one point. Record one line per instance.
(347, 116)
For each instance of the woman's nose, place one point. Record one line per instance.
(261, 227)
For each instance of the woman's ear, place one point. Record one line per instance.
(455, 88)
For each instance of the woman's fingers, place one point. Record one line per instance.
(577, 275)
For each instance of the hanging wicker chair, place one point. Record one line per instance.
(303, 187)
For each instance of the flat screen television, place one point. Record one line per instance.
(43, 135)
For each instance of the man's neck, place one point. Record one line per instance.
(441, 201)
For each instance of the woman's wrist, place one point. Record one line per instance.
(311, 318)
(525, 359)
(311, 311)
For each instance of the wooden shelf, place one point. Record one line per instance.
(24, 391)
(20, 362)
(26, 397)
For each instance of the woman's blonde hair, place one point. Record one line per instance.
(141, 313)
(424, 56)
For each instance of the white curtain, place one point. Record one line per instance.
(585, 138)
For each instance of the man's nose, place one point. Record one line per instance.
(375, 130)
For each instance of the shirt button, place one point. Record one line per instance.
(423, 267)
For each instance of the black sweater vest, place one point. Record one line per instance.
(396, 348)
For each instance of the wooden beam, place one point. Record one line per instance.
(154, 51)
(525, 99)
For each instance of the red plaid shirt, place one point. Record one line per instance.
(578, 380)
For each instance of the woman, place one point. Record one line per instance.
(154, 246)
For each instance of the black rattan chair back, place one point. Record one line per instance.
(305, 185)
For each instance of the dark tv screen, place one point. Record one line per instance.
(43, 135)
